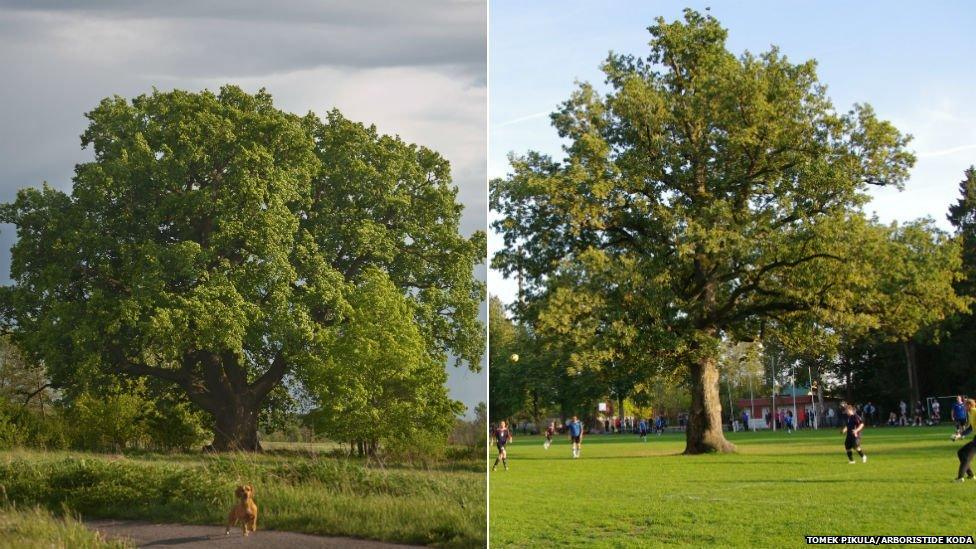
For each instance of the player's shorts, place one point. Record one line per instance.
(961, 424)
(501, 445)
(852, 442)
(576, 439)
(643, 432)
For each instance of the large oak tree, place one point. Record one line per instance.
(727, 186)
(213, 241)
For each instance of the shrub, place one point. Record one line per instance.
(109, 422)
(25, 427)
(175, 426)
(11, 433)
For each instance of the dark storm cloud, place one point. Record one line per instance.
(248, 38)
(365, 13)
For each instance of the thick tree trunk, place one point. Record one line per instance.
(704, 433)
(235, 404)
(236, 428)
(217, 382)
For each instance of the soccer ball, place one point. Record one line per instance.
(514, 357)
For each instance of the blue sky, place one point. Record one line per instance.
(912, 61)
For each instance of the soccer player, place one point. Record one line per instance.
(642, 427)
(968, 451)
(502, 437)
(853, 429)
(550, 430)
(959, 413)
(576, 435)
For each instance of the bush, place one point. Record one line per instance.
(109, 422)
(422, 448)
(49, 431)
(11, 433)
(111, 488)
(175, 426)
(25, 427)
(122, 420)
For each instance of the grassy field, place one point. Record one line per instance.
(322, 447)
(777, 489)
(300, 493)
(38, 528)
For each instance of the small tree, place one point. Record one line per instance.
(109, 421)
(379, 384)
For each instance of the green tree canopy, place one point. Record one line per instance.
(213, 243)
(962, 215)
(379, 383)
(728, 185)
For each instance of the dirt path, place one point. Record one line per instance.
(147, 534)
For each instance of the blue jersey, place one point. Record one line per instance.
(959, 411)
(575, 428)
(642, 426)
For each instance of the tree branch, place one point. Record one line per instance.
(264, 384)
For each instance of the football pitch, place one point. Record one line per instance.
(776, 490)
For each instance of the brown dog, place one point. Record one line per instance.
(245, 512)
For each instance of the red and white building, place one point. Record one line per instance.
(761, 410)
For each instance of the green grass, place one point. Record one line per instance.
(38, 528)
(777, 489)
(311, 494)
(311, 447)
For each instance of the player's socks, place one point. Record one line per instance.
(505, 463)
(850, 456)
(495, 466)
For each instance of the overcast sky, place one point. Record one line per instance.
(417, 69)
(913, 61)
